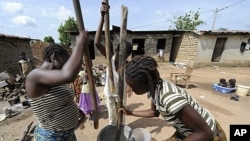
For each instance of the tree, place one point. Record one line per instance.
(188, 22)
(69, 25)
(48, 39)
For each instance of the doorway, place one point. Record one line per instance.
(138, 47)
(161, 44)
(218, 49)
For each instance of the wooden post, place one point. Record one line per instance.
(108, 48)
(88, 62)
(122, 53)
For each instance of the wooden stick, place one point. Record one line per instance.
(122, 53)
(108, 48)
(88, 62)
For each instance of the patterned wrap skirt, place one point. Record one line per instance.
(41, 134)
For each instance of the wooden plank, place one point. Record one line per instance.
(108, 48)
(122, 53)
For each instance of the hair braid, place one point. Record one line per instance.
(54, 48)
(143, 69)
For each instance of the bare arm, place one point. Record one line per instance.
(98, 34)
(39, 80)
(152, 112)
(191, 118)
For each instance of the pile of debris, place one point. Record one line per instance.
(11, 88)
(12, 91)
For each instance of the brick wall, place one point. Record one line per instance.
(37, 49)
(188, 48)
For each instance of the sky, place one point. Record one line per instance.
(39, 18)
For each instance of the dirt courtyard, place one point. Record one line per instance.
(225, 110)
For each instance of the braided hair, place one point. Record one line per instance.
(57, 49)
(143, 69)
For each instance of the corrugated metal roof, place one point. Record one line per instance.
(202, 32)
(12, 36)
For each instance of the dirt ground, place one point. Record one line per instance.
(226, 111)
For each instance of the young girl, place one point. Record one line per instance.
(223, 82)
(191, 121)
(85, 103)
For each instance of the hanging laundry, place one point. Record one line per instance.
(242, 47)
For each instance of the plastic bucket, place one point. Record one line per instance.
(137, 134)
(140, 134)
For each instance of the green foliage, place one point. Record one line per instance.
(69, 25)
(188, 22)
(48, 39)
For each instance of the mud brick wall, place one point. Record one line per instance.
(10, 46)
(188, 48)
(37, 48)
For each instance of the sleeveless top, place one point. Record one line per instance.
(56, 110)
(169, 99)
(107, 87)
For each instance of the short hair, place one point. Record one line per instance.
(232, 82)
(128, 49)
(57, 49)
(143, 69)
(222, 80)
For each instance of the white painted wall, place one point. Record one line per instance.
(231, 50)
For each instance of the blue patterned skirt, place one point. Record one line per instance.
(41, 134)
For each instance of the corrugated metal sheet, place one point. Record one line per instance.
(12, 36)
(228, 32)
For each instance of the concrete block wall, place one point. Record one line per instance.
(150, 43)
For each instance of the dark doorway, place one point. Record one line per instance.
(160, 49)
(161, 44)
(218, 49)
(138, 47)
(176, 42)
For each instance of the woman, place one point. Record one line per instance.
(191, 121)
(112, 96)
(52, 100)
